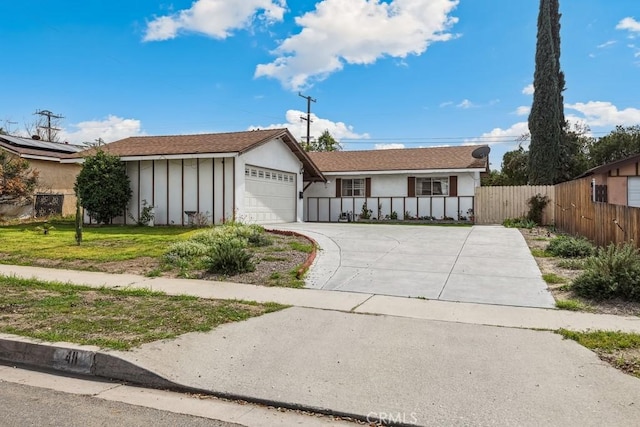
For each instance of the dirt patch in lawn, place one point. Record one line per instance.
(538, 239)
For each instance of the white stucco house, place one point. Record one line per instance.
(434, 182)
(253, 176)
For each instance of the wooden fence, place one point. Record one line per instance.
(494, 204)
(602, 223)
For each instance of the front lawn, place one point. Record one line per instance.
(116, 319)
(142, 250)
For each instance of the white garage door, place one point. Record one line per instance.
(270, 195)
(634, 191)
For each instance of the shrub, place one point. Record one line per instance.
(103, 186)
(536, 208)
(518, 223)
(189, 249)
(229, 256)
(614, 272)
(572, 264)
(570, 247)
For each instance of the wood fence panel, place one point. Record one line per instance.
(495, 204)
(602, 223)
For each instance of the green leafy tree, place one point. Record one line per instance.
(103, 187)
(326, 142)
(621, 143)
(548, 160)
(18, 181)
(577, 145)
(514, 169)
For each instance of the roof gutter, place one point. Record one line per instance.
(405, 171)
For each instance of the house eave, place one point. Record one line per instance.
(163, 157)
(405, 172)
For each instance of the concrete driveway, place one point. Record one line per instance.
(480, 264)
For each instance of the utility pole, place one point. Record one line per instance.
(308, 118)
(49, 115)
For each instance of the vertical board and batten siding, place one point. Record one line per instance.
(178, 185)
(495, 204)
(602, 223)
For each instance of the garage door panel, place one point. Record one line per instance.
(269, 195)
(633, 187)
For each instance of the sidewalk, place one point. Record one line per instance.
(479, 314)
(416, 361)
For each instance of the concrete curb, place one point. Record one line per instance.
(90, 361)
(76, 360)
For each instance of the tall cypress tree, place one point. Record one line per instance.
(547, 152)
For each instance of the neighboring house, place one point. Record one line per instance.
(617, 182)
(423, 182)
(55, 180)
(253, 176)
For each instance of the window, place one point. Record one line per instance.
(260, 174)
(267, 175)
(432, 186)
(254, 173)
(353, 187)
(246, 171)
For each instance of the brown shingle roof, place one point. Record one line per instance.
(398, 159)
(231, 142)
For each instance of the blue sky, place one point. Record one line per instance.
(401, 73)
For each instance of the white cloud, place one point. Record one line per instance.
(446, 104)
(298, 127)
(523, 110)
(110, 129)
(215, 18)
(387, 146)
(357, 32)
(465, 104)
(528, 90)
(503, 136)
(629, 24)
(600, 113)
(606, 44)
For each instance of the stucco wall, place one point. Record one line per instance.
(389, 193)
(391, 185)
(617, 190)
(274, 155)
(57, 178)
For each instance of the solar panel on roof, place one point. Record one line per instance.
(42, 145)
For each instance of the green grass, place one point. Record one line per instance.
(571, 305)
(23, 243)
(553, 279)
(540, 253)
(286, 280)
(620, 349)
(116, 319)
(607, 341)
(301, 247)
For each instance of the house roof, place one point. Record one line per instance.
(212, 143)
(399, 159)
(26, 147)
(609, 166)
